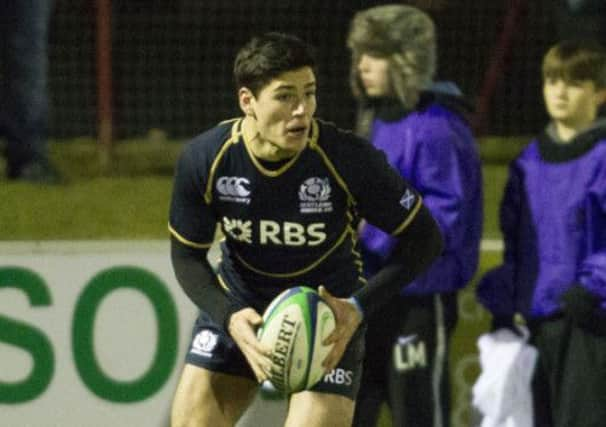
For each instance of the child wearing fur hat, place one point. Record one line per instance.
(422, 128)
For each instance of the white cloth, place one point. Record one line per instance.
(502, 392)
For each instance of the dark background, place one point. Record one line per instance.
(172, 59)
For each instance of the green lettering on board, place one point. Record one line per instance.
(163, 363)
(27, 337)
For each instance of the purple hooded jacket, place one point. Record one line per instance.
(434, 149)
(553, 219)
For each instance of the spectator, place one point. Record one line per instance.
(553, 219)
(23, 89)
(422, 128)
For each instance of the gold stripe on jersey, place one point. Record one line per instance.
(188, 242)
(314, 146)
(409, 218)
(357, 256)
(273, 173)
(350, 201)
(232, 120)
(340, 240)
(233, 140)
(222, 283)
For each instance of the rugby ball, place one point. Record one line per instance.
(294, 326)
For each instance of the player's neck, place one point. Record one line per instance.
(259, 147)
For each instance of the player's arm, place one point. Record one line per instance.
(416, 248)
(199, 282)
(386, 200)
(192, 224)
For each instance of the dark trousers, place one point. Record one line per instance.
(569, 384)
(406, 364)
(23, 79)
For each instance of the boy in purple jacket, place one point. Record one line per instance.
(421, 128)
(553, 219)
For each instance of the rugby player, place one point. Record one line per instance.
(288, 191)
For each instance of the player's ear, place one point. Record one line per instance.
(246, 98)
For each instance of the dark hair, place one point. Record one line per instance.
(267, 56)
(576, 60)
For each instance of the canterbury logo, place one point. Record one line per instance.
(233, 186)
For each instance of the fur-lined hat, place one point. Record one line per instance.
(403, 34)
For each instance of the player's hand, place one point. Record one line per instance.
(242, 328)
(347, 318)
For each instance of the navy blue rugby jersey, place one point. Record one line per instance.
(294, 225)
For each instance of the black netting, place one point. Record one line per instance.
(172, 59)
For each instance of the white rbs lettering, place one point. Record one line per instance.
(294, 234)
(316, 231)
(339, 376)
(269, 231)
(291, 233)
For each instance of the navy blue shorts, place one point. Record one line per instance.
(212, 348)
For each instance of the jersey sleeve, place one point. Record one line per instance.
(191, 220)
(382, 196)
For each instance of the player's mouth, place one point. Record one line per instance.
(296, 131)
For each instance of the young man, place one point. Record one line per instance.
(287, 190)
(553, 218)
(421, 127)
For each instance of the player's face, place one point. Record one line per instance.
(374, 75)
(573, 104)
(284, 109)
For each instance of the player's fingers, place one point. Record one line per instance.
(335, 335)
(260, 365)
(344, 327)
(254, 318)
(333, 303)
(259, 348)
(261, 352)
(332, 359)
(244, 333)
(261, 374)
(261, 355)
(257, 370)
(327, 296)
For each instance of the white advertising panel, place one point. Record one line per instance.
(91, 334)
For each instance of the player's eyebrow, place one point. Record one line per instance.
(287, 86)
